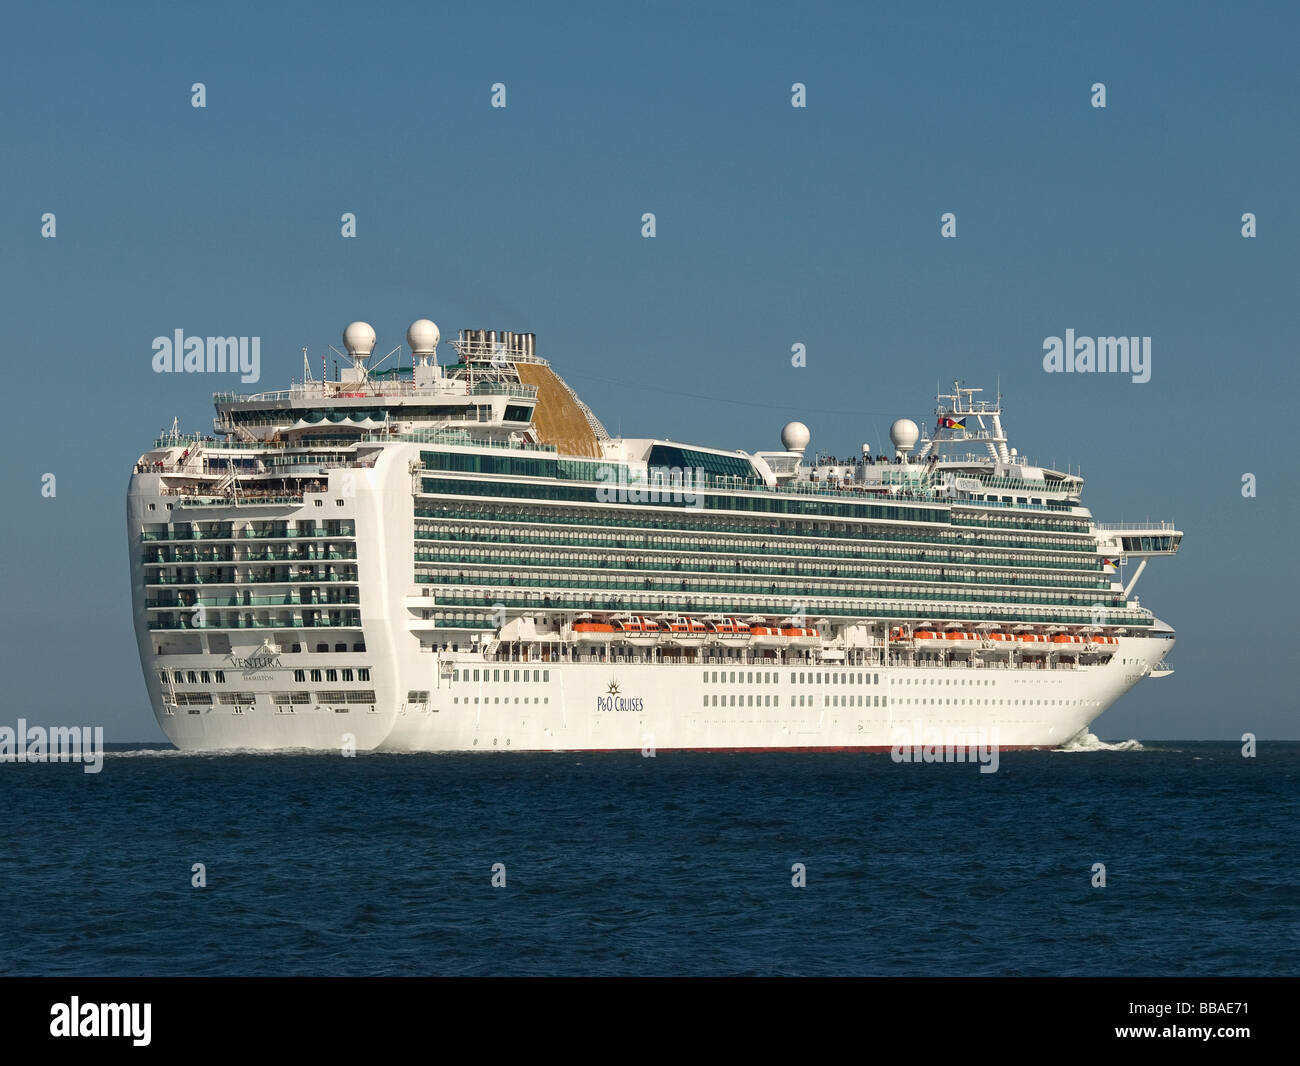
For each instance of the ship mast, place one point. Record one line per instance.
(963, 419)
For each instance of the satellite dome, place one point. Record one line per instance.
(904, 433)
(359, 340)
(795, 437)
(423, 336)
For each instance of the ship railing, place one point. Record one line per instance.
(189, 499)
(981, 664)
(496, 388)
(1167, 527)
(868, 612)
(707, 584)
(213, 444)
(251, 397)
(372, 387)
(456, 437)
(178, 440)
(453, 559)
(343, 463)
(159, 467)
(295, 579)
(243, 534)
(494, 652)
(636, 541)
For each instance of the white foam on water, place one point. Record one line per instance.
(1085, 741)
(175, 753)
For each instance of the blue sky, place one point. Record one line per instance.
(775, 226)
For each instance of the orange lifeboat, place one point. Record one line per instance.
(1003, 638)
(1108, 641)
(801, 636)
(896, 633)
(685, 632)
(1031, 638)
(767, 637)
(592, 632)
(733, 632)
(637, 631)
(1066, 638)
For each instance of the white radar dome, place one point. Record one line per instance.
(359, 339)
(795, 437)
(423, 336)
(904, 433)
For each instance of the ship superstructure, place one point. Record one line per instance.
(459, 557)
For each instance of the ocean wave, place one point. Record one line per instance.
(176, 753)
(1086, 741)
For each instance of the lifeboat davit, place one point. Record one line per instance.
(637, 631)
(684, 632)
(592, 632)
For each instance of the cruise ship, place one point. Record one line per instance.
(455, 555)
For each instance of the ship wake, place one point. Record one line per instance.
(1086, 741)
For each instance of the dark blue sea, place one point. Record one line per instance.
(679, 864)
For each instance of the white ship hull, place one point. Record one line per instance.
(669, 707)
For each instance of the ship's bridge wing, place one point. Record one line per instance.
(1136, 542)
(1139, 541)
